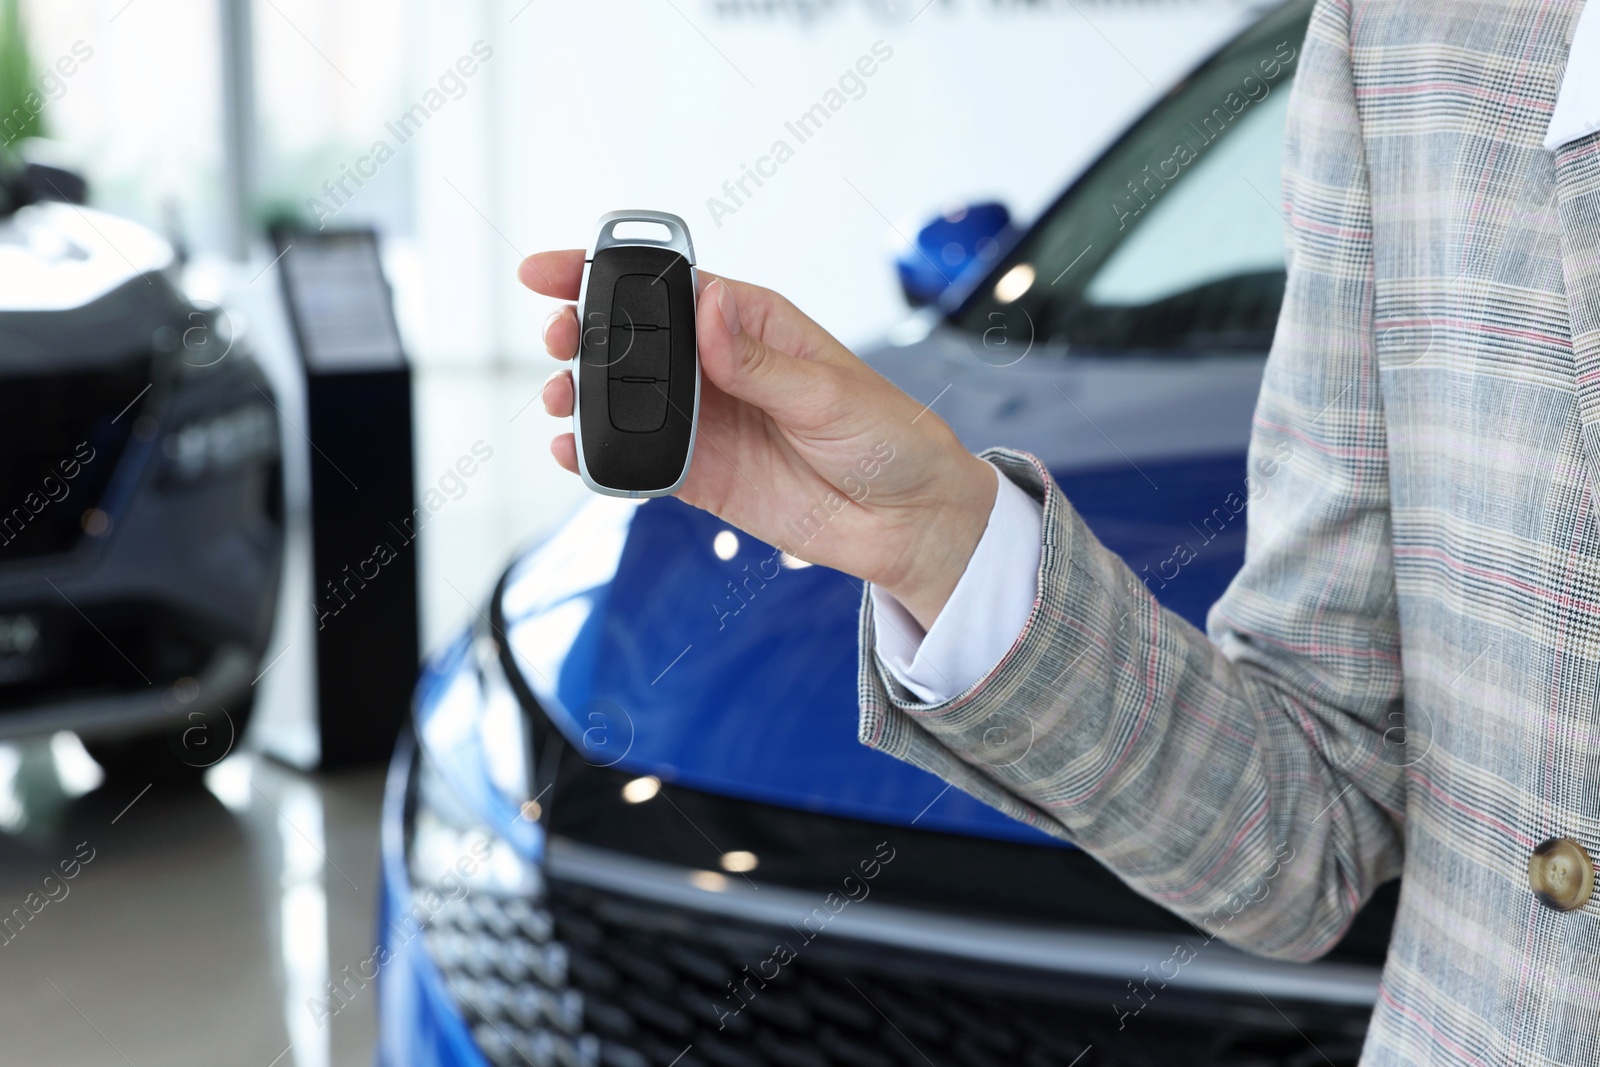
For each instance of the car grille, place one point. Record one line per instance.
(590, 977)
(99, 649)
(44, 419)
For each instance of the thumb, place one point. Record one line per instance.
(746, 367)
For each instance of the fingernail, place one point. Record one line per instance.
(728, 306)
(549, 321)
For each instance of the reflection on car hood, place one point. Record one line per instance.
(737, 675)
(54, 256)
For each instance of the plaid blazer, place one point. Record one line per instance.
(1403, 676)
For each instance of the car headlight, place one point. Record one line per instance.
(473, 791)
(455, 850)
(478, 894)
(222, 442)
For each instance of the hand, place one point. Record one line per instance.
(791, 424)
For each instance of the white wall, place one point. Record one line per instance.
(656, 103)
(588, 107)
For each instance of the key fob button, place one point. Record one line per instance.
(641, 299)
(638, 407)
(640, 353)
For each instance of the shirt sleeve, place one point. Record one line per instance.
(985, 613)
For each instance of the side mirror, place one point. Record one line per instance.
(37, 181)
(953, 251)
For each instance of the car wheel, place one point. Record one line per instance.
(181, 752)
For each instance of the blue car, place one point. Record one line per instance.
(633, 825)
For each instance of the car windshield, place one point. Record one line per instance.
(1173, 242)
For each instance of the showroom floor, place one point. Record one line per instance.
(202, 919)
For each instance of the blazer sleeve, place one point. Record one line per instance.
(1252, 781)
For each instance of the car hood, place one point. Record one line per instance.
(56, 256)
(80, 290)
(661, 641)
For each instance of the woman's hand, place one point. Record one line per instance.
(803, 445)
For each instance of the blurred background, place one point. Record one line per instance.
(580, 110)
(464, 135)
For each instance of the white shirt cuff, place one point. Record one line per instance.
(1577, 110)
(985, 613)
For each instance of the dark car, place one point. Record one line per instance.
(634, 825)
(141, 514)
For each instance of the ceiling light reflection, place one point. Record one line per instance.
(641, 789)
(1013, 283)
(739, 861)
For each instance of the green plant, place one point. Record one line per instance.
(20, 105)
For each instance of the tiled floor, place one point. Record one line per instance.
(202, 920)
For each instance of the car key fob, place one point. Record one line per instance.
(637, 376)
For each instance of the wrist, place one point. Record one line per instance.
(942, 538)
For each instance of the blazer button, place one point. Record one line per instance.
(1561, 874)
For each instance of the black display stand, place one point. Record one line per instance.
(362, 489)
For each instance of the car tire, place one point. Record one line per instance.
(181, 752)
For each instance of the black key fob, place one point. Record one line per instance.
(637, 375)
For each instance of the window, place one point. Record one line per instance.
(133, 93)
(1173, 242)
(1220, 222)
(330, 80)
